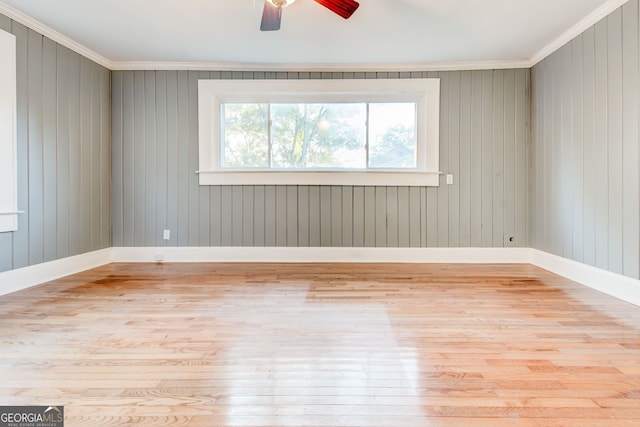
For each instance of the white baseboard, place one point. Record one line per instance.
(616, 285)
(22, 278)
(324, 254)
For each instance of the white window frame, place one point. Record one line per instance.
(8, 143)
(424, 92)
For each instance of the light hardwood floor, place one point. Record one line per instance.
(322, 345)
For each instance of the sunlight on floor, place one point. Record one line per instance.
(290, 379)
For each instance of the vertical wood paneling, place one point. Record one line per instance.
(95, 160)
(540, 149)
(202, 226)
(415, 217)
(336, 216)
(631, 160)
(259, 216)
(521, 144)
(226, 215)
(347, 216)
(247, 222)
(171, 156)
(216, 216)
(464, 179)
(404, 222)
(281, 215)
(614, 152)
(589, 210)
(554, 161)
(565, 130)
(184, 175)
(431, 226)
(369, 217)
(86, 155)
(509, 161)
(35, 144)
(577, 177)
(128, 158)
(590, 188)
(106, 223)
(601, 147)
(314, 216)
(75, 158)
(392, 217)
(486, 204)
(237, 215)
(117, 167)
(443, 190)
(358, 217)
(197, 214)
(20, 253)
(64, 153)
(325, 216)
(161, 173)
(427, 235)
(481, 144)
(292, 215)
(537, 89)
(497, 216)
(139, 159)
(49, 149)
(269, 215)
(476, 155)
(453, 190)
(303, 216)
(380, 194)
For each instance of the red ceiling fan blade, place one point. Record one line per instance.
(344, 8)
(271, 16)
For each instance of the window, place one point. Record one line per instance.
(355, 132)
(8, 156)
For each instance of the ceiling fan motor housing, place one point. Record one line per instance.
(281, 3)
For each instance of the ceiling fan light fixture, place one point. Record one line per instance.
(281, 3)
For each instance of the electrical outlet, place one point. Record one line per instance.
(449, 178)
(166, 235)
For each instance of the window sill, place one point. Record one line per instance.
(413, 179)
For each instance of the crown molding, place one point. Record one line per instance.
(284, 67)
(573, 32)
(34, 24)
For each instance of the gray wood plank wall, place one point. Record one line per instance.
(484, 144)
(64, 153)
(585, 159)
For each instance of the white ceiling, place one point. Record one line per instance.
(380, 33)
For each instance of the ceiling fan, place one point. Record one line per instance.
(272, 12)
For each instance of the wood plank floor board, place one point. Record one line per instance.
(322, 345)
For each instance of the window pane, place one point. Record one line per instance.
(245, 131)
(318, 135)
(392, 135)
